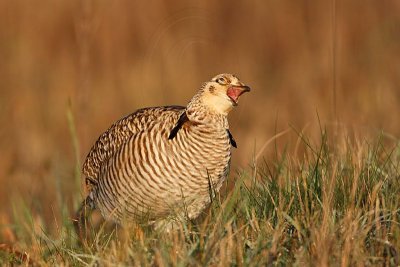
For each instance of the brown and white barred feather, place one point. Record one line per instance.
(164, 160)
(110, 141)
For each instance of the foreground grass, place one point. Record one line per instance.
(337, 204)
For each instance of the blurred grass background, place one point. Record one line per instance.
(100, 60)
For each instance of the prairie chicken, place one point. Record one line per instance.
(161, 161)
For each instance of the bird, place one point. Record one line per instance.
(163, 161)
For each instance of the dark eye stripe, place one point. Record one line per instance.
(221, 80)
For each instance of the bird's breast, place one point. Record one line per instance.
(202, 151)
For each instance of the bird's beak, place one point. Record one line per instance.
(235, 91)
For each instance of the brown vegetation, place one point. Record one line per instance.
(70, 68)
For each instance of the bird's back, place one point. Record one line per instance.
(112, 139)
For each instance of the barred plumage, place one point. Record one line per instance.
(165, 160)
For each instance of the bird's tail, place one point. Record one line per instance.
(81, 219)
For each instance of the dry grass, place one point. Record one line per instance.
(70, 68)
(337, 206)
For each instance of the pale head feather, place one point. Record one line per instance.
(212, 100)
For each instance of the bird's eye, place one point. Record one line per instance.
(221, 80)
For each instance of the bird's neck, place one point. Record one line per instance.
(197, 112)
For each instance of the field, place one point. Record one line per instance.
(315, 180)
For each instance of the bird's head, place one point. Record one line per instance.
(222, 93)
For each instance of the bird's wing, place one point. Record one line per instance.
(112, 139)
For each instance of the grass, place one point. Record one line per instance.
(335, 205)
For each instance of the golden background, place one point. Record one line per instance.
(69, 69)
